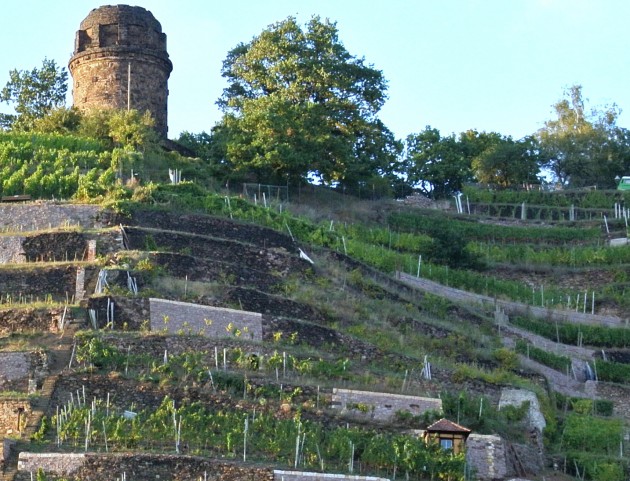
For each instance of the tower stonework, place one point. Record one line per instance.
(120, 61)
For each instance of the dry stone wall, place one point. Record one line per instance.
(306, 476)
(55, 246)
(182, 317)
(11, 250)
(130, 313)
(194, 268)
(459, 295)
(209, 226)
(138, 467)
(381, 406)
(6, 450)
(48, 215)
(486, 455)
(148, 467)
(617, 393)
(29, 319)
(56, 283)
(13, 411)
(516, 398)
(212, 248)
(18, 367)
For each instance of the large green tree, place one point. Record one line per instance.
(33, 94)
(299, 104)
(435, 164)
(439, 165)
(508, 162)
(585, 147)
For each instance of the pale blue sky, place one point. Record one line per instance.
(493, 65)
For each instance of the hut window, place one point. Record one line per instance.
(446, 443)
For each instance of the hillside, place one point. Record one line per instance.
(177, 333)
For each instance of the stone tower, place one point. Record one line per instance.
(120, 61)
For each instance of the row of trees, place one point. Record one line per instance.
(300, 107)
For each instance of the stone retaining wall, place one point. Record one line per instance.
(46, 215)
(137, 467)
(516, 397)
(381, 406)
(147, 467)
(57, 282)
(27, 320)
(10, 410)
(6, 450)
(212, 226)
(17, 367)
(617, 393)
(11, 251)
(182, 317)
(486, 456)
(305, 476)
(517, 308)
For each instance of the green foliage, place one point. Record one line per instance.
(591, 434)
(61, 120)
(450, 248)
(506, 358)
(597, 336)
(438, 165)
(71, 166)
(574, 256)
(51, 165)
(298, 103)
(33, 94)
(92, 350)
(508, 163)
(554, 361)
(478, 414)
(131, 129)
(44, 428)
(221, 433)
(584, 149)
(584, 199)
(612, 371)
(425, 222)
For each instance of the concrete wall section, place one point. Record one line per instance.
(381, 406)
(181, 317)
(305, 476)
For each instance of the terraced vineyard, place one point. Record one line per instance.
(184, 334)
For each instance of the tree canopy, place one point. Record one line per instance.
(585, 148)
(299, 104)
(508, 163)
(33, 94)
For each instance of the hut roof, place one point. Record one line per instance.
(444, 425)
